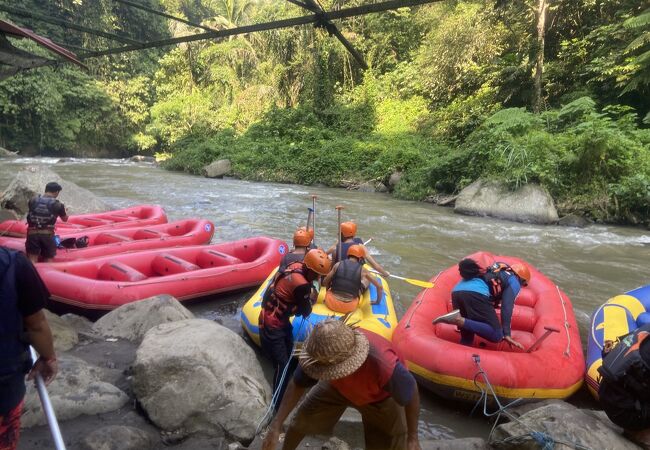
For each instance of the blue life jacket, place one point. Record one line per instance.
(14, 352)
(344, 248)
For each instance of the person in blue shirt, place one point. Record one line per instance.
(476, 296)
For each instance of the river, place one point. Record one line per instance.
(412, 239)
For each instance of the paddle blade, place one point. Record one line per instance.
(420, 283)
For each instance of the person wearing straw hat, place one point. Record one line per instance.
(347, 280)
(290, 294)
(346, 367)
(22, 299)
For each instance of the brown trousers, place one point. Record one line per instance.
(384, 422)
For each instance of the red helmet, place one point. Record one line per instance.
(301, 237)
(357, 251)
(348, 229)
(317, 261)
(522, 272)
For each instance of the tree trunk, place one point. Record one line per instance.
(542, 8)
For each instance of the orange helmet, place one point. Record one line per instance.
(522, 272)
(357, 251)
(317, 261)
(348, 229)
(301, 237)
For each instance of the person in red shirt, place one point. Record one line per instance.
(349, 368)
(290, 294)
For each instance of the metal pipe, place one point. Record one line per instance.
(47, 408)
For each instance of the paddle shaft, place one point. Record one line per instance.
(340, 245)
(47, 408)
(313, 212)
(542, 338)
(419, 283)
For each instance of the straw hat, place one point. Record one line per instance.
(333, 350)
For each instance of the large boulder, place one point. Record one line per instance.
(77, 389)
(8, 214)
(454, 444)
(65, 336)
(133, 320)
(218, 169)
(530, 203)
(32, 180)
(142, 158)
(563, 423)
(201, 377)
(4, 153)
(394, 179)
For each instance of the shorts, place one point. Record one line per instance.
(624, 408)
(341, 305)
(384, 422)
(40, 244)
(10, 428)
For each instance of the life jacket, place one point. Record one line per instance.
(366, 384)
(40, 213)
(290, 258)
(14, 352)
(625, 366)
(278, 304)
(495, 277)
(344, 249)
(347, 279)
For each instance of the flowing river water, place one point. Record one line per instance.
(411, 239)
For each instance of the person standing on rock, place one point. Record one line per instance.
(347, 281)
(346, 367)
(476, 295)
(624, 391)
(41, 219)
(22, 299)
(290, 294)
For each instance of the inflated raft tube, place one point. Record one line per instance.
(119, 240)
(134, 216)
(380, 319)
(617, 317)
(553, 368)
(184, 272)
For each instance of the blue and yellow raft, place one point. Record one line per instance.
(617, 317)
(380, 319)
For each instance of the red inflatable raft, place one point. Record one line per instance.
(552, 368)
(184, 272)
(103, 242)
(121, 218)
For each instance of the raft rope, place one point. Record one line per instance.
(274, 399)
(567, 352)
(545, 441)
(419, 301)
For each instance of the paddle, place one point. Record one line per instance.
(340, 244)
(313, 212)
(548, 331)
(47, 408)
(414, 282)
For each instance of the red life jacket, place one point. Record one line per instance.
(495, 277)
(366, 384)
(279, 304)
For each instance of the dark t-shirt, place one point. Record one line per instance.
(32, 297)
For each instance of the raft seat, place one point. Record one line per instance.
(212, 258)
(148, 234)
(166, 264)
(92, 221)
(117, 271)
(110, 238)
(450, 333)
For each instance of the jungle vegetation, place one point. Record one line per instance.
(555, 92)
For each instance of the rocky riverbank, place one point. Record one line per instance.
(150, 375)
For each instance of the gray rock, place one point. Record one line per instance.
(77, 389)
(65, 336)
(133, 320)
(530, 203)
(381, 188)
(563, 423)
(367, 187)
(116, 437)
(142, 158)
(4, 153)
(8, 214)
(394, 179)
(32, 180)
(335, 443)
(455, 444)
(201, 377)
(574, 220)
(217, 169)
(78, 323)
